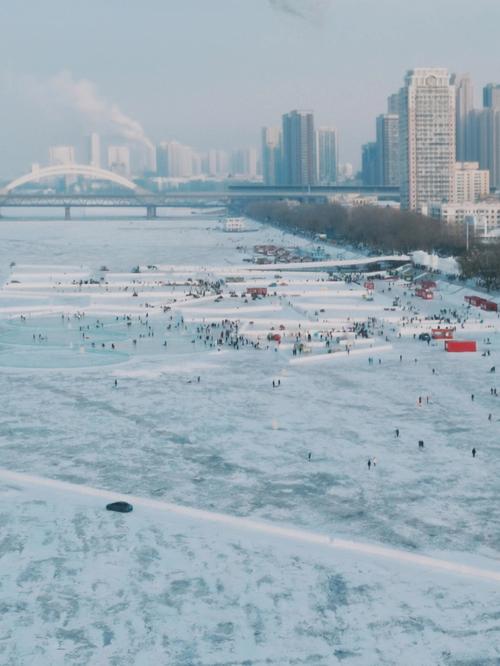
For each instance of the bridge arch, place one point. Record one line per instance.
(71, 170)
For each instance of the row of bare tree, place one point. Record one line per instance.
(385, 230)
(381, 229)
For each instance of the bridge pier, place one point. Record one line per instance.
(67, 212)
(151, 213)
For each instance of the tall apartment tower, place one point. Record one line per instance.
(162, 159)
(393, 104)
(488, 133)
(491, 96)
(427, 138)
(327, 152)
(369, 164)
(488, 138)
(464, 119)
(271, 155)
(93, 150)
(299, 165)
(244, 162)
(388, 150)
(174, 160)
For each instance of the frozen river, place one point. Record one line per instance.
(133, 396)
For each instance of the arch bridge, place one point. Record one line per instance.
(134, 196)
(10, 197)
(60, 170)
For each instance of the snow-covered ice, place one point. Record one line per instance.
(82, 586)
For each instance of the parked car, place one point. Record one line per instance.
(120, 507)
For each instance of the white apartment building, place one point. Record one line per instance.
(471, 182)
(427, 138)
(485, 213)
(93, 145)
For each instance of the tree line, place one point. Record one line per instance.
(483, 264)
(385, 230)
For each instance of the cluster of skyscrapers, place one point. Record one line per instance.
(118, 157)
(170, 159)
(433, 144)
(298, 155)
(175, 160)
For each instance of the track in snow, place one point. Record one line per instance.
(248, 524)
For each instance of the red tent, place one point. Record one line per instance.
(426, 294)
(460, 345)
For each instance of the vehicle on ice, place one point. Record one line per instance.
(120, 507)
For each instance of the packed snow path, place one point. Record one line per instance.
(257, 526)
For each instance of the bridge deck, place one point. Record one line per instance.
(141, 200)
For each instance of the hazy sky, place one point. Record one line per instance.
(210, 73)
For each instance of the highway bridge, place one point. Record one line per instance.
(131, 195)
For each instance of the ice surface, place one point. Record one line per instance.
(82, 587)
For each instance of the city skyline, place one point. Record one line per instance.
(217, 88)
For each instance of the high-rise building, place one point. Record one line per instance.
(299, 149)
(197, 164)
(369, 164)
(271, 155)
(427, 138)
(216, 163)
(162, 159)
(388, 150)
(464, 120)
(61, 155)
(488, 140)
(471, 182)
(244, 162)
(93, 156)
(327, 151)
(393, 104)
(491, 96)
(174, 160)
(119, 160)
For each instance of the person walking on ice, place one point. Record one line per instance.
(397, 433)
(474, 451)
(369, 463)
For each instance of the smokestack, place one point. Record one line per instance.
(83, 97)
(308, 10)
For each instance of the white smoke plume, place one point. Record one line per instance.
(309, 10)
(83, 97)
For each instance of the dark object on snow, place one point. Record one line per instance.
(420, 443)
(121, 507)
(493, 369)
(425, 337)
